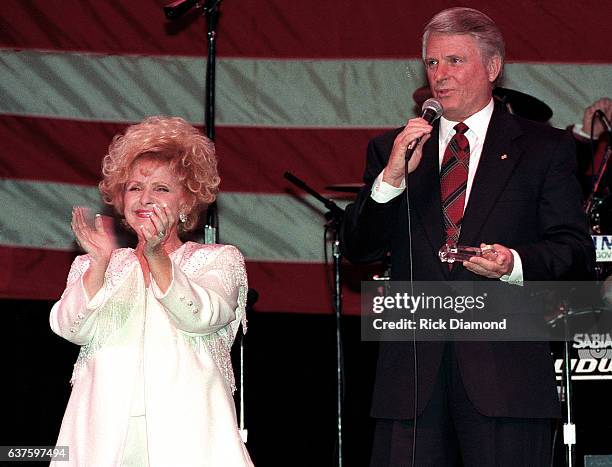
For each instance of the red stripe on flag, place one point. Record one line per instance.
(121, 27)
(250, 159)
(255, 159)
(50, 150)
(30, 273)
(306, 288)
(282, 29)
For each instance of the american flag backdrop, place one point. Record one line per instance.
(301, 87)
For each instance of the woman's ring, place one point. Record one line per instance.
(161, 234)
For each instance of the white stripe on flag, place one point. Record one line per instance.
(259, 92)
(265, 227)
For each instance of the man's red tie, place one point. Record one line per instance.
(453, 181)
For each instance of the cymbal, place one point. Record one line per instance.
(345, 187)
(523, 105)
(517, 103)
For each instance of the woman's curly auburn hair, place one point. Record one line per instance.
(190, 156)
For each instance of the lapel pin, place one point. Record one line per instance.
(504, 156)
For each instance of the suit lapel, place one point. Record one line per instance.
(497, 162)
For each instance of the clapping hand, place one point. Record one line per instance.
(154, 235)
(97, 240)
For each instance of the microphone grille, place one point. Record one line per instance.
(433, 104)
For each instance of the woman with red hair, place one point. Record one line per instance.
(153, 381)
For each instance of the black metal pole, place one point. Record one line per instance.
(211, 227)
(569, 429)
(338, 313)
(600, 174)
(176, 10)
(334, 215)
(211, 11)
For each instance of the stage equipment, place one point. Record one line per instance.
(523, 105)
(334, 217)
(210, 10)
(598, 207)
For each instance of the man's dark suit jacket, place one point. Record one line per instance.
(525, 196)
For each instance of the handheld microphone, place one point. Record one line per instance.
(431, 111)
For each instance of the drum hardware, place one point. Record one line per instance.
(596, 203)
(565, 312)
(598, 209)
(562, 318)
(334, 217)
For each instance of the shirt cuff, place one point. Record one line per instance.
(382, 192)
(516, 276)
(578, 130)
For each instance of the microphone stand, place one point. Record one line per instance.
(334, 217)
(589, 204)
(211, 228)
(569, 428)
(173, 11)
(211, 12)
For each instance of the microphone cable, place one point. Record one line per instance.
(431, 111)
(414, 345)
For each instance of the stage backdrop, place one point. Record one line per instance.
(301, 87)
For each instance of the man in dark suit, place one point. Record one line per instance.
(478, 176)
